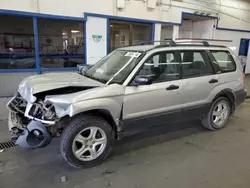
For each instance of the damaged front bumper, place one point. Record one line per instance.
(18, 105)
(26, 130)
(31, 135)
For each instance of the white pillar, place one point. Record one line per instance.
(96, 39)
(175, 32)
(157, 33)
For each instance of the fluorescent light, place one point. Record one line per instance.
(75, 31)
(233, 48)
(64, 33)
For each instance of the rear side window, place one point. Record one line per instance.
(224, 60)
(195, 64)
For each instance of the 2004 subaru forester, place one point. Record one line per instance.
(132, 87)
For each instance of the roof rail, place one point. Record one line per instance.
(205, 43)
(164, 42)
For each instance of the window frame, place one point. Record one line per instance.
(175, 52)
(205, 56)
(34, 17)
(220, 71)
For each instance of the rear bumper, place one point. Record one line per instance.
(240, 96)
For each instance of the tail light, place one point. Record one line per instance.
(244, 80)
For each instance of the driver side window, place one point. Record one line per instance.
(161, 67)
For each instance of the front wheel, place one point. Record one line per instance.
(87, 141)
(218, 114)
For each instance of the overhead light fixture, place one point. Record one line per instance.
(75, 31)
(111, 25)
(64, 33)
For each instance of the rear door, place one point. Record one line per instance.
(228, 74)
(198, 81)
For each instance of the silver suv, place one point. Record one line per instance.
(129, 89)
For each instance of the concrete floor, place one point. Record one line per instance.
(181, 155)
(248, 84)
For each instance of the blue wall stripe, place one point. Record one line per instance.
(85, 42)
(25, 56)
(198, 15)
(36, 39)
(16, 70)
(58, 69)
(108, 36)
(153, 33)
(6, 96)
(234, 30)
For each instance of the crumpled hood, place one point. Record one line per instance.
(45, 82)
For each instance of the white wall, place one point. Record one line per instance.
(3, 110)
(247, 70)
(186, 29)
(232, 13)
(166, 32)
(96, 50)
(236, 38)
(157, 32)
(231, 35)
(197, 29)
(203, 29)
(10, 81)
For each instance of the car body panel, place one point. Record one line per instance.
(151, 99)
(45, 82)
(145, 102)
(107, 97)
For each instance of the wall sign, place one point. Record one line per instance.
(97, 38)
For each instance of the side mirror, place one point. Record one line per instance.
(83, 68)
(143, 80)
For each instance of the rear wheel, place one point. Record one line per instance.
(218, 114)
(87, 141)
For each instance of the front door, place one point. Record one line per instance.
(159, 102)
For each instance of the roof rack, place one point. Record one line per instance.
(164, 42)
(205, 43)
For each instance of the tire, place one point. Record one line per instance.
(72, 133)
(208, 121)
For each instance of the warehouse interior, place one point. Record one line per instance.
(44, 37)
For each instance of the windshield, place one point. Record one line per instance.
(115, 67)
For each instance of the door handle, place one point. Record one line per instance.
(213, 81)
(172, 87)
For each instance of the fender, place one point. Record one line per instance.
(114, 107)
(230, 95)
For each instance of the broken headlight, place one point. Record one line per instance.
(42, 111)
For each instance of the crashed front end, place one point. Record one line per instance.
(28, 122)
(33, 117)
(44, 105)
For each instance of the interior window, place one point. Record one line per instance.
(224, 60)
(195, 64)
(161, 67)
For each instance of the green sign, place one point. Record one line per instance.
(97, 38)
